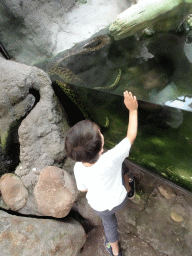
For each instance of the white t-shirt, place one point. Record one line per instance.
(103, 180)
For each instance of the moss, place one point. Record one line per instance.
(4, 137)
(186, 176)
(83, 1)
(140, 190)
(158, 142)
(7, 136)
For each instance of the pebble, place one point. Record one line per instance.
(176, 217)
(166, 192)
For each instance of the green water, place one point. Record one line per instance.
(166, 151)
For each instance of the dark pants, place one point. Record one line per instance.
(109, 218)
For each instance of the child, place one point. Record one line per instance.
(100, 175)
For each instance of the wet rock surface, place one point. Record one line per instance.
(30, 236)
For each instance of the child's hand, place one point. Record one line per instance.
(130, 101)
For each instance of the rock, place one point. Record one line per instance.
(166, 192)
(41, 137)
(42, 132)
(55, 192)
(176, 217)
(15, 99)
(180, 210)
(69, 166)
(152, 14)
(30, 236)
(87, 212)
(13, 191)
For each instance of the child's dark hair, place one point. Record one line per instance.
(83, 142)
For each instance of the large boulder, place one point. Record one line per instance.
(13, 191)
(41, 137)
(42, 132)
(30, 236)
(55, 192)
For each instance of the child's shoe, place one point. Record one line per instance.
(127, 172)
(120, 254)
(108, 247)
(131, 193)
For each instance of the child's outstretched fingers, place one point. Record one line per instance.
(130, 101)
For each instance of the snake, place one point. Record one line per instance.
(63, 69)
(112, 86)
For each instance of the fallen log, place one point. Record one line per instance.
(159, 15)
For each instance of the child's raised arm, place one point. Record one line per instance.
(131, 104)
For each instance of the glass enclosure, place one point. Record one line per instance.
(160, 77)
(90, 78)
(164, 141)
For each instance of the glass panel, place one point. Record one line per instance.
(159, 73)
(164, 141)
